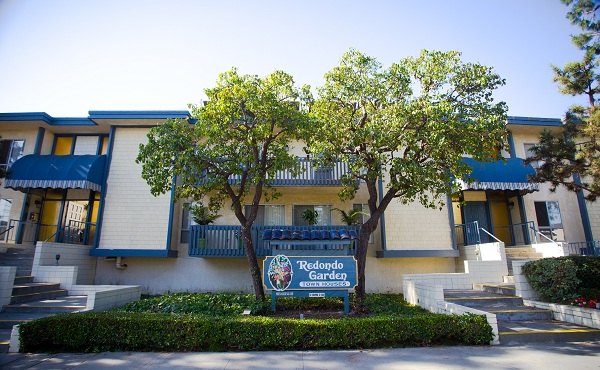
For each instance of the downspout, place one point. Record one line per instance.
(119, 265)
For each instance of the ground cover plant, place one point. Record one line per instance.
(214, 322)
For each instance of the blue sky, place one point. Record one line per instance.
(67, 57)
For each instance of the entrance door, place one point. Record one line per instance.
(501, 221)
(477, 211)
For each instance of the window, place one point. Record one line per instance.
(323, 212)
(529, 153)
(268, 215)
(63, 145)
(5, 206)
(10, 151)
(549, 219)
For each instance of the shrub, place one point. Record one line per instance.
(123, 331)
(554, 279)
(215, 305)
(588, 271)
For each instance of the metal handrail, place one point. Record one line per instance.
(544, 236)
(8, 228)
(56, 233)
(487, 232)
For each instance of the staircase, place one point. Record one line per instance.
(31, 300)
(520, 253)
(518, 323)
(20, 256)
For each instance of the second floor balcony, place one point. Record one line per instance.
(310, 175)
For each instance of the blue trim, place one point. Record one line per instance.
(132, 253)
(73, 122)
(382, 219)
(161, 114)
(171, 213)
(583, 211)
(511, 145)
(73, 142)
(28, 116)
(45, 117)
(418, 253)
(22, 217)
(111, 139)
(534, 121)
(39, 140)
(451, 218)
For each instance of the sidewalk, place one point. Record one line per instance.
(547, 356)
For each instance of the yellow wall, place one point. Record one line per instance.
(63, 145)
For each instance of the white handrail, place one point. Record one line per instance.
(487, 232)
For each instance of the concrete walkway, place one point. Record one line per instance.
(547, 356)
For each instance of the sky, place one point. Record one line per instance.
(69, 57)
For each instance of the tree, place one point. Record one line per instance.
(233, 151)
(408, 125)
(572, 158)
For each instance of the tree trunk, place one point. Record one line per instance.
(361, 260)
(255, 272)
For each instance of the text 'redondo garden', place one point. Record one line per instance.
(282, 273)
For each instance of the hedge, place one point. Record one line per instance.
(122, 331)
(563, 278)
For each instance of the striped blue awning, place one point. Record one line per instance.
(57, 172)
(512, 175)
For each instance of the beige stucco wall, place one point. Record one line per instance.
(133, 218)
(569, 207)
(594, 215)
(193, 274)
(412, 226)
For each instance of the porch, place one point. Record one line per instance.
(29, 232)
(522, 234)
(225, 240)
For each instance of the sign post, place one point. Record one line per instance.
(302, 276)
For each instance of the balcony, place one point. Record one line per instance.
(309, 175)
(225, 241)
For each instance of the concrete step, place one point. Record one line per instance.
(4, 340)
(37, 296)
(524, 255)
(519, 313)
(19, 256)
(508, 279)
(20, 280)
(29, 288)
(475, 298)
(49, 306)
(502, 289)
(520, 332)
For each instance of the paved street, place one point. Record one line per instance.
(545, 356)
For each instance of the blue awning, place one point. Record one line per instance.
(512, 175)
(57, 172)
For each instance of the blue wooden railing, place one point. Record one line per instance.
(226, 241)
(591, 248)
(309, 175)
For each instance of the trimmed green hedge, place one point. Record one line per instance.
(122, 331)
(563, 278)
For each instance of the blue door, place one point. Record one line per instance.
(477, 211)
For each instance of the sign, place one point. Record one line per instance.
(282, 273)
